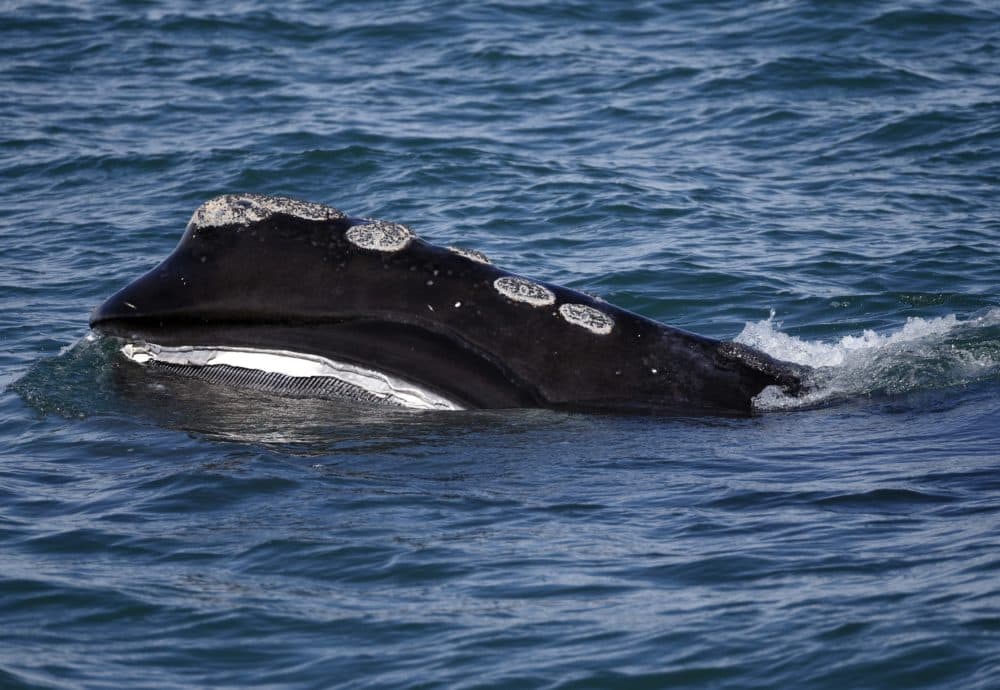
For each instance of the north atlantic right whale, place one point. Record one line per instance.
(299, 298)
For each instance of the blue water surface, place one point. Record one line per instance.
(818, 180)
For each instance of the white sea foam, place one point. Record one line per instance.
(923, 353)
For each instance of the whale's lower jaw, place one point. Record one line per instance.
(287, 373)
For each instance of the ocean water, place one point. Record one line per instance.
(816, 179)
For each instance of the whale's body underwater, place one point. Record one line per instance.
(298, 298)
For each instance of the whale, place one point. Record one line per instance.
(298, 298)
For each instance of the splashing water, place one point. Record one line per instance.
(924, 353)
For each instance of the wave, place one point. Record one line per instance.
(923, 354)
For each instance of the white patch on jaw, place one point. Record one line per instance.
(594, 320)
(473, 254)
(386, 387)
(379, 235)
(524, 290)
(245, 209)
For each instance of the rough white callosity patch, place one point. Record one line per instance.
(524, 290)
(379, 235)
(244, 209)
(473, 254)
(594, 320)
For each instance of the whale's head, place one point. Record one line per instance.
(271, 276)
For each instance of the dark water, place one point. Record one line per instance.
(818, 179)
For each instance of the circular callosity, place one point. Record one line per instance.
(524, 290)
(473, 254)
(594, 320)
(379, 236)
(246, 209)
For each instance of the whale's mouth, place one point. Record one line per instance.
(288, 373)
